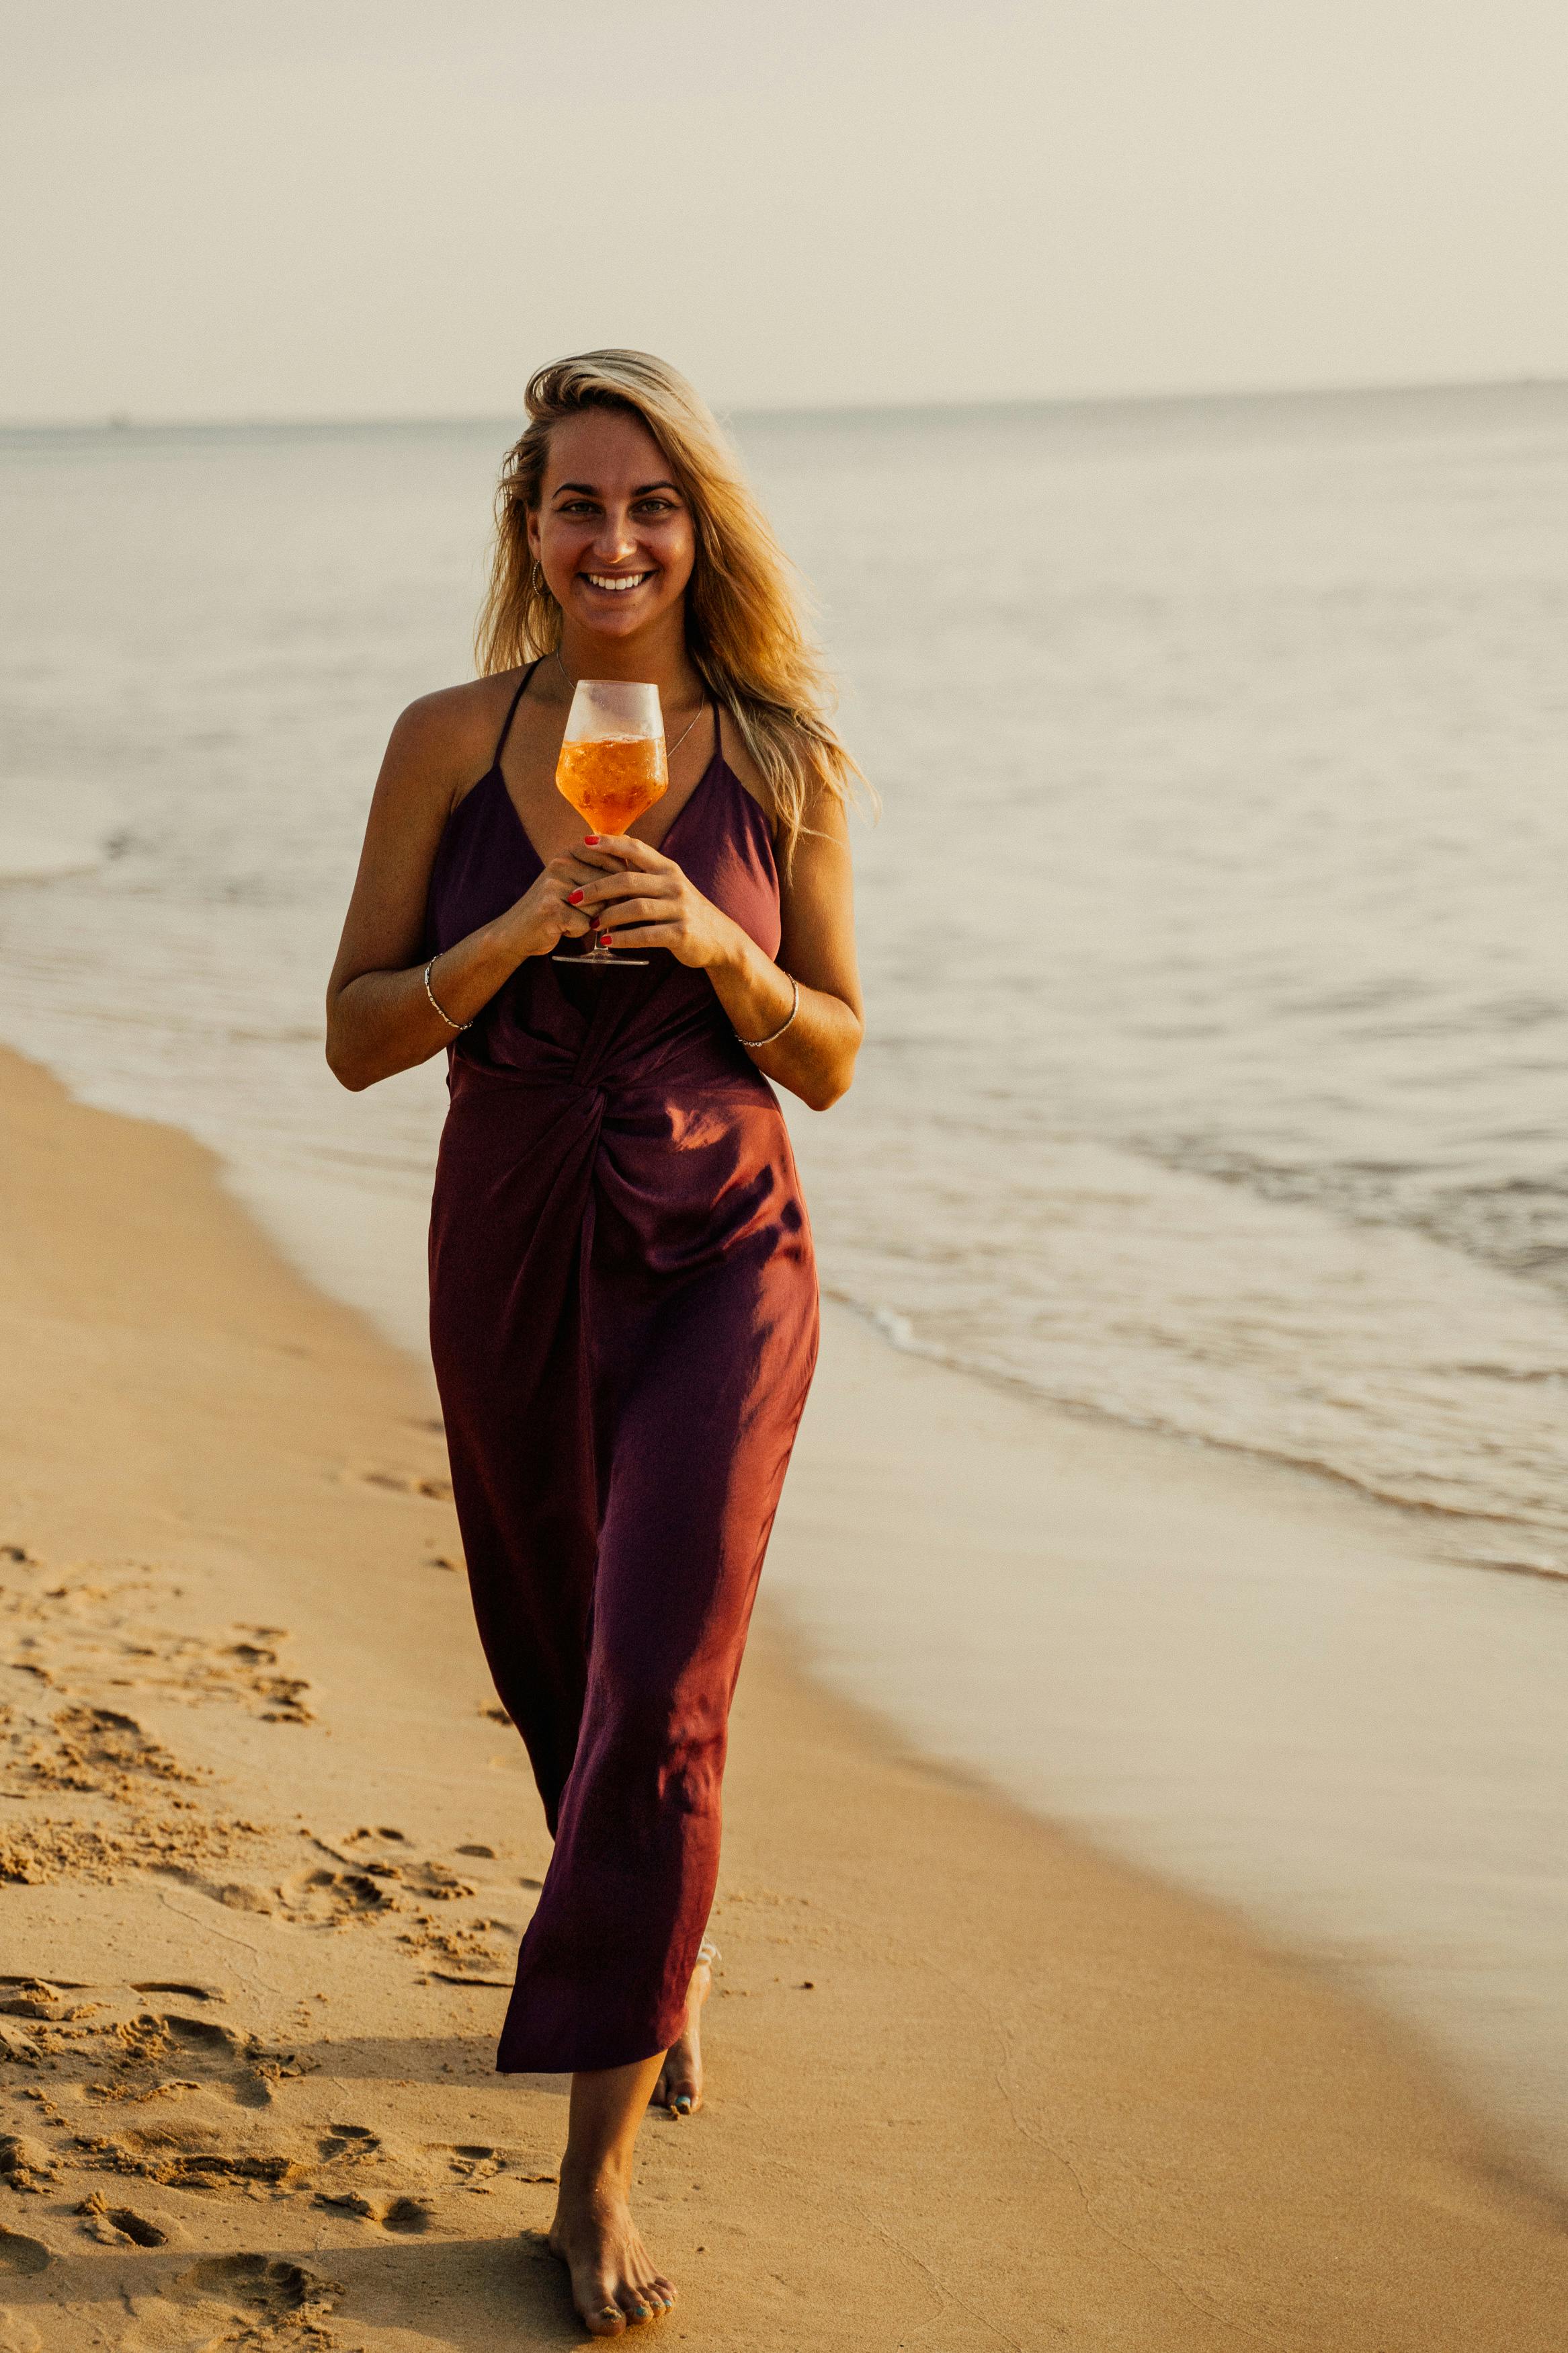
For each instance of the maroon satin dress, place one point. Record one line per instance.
(623, 1318)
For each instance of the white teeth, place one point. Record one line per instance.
(626, 580)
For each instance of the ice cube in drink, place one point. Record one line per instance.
(611, 779)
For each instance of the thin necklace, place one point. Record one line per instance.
(670, 749)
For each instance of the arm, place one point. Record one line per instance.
(379, 1018)
(814, 1058)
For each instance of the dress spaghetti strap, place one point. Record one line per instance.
(511, 713)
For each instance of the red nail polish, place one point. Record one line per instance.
(592, 839)
(576, 899)
(603, 939)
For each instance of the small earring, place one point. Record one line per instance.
(536, 578)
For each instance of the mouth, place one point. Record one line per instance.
(616, 583)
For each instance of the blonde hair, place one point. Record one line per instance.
(745, 629)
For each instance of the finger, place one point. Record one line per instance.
(652, 935)
(638, 911)
(624, 884)
(627, 846)
(573, 867)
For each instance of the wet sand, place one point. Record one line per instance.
(267, 1852)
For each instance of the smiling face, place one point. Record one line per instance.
(613, 533)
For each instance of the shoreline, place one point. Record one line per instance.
(972, 2080)
(1241, 1674)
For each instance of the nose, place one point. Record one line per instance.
(613, 540)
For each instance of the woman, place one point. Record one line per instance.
(622, 1293)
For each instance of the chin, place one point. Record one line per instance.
(608, 620)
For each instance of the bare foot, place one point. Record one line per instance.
(679, 2085)
(614, 2281)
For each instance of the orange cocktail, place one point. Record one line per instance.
(612, 766)
(611, 779)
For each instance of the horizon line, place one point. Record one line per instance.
(128, 420)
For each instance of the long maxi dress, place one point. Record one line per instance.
(623, 1324)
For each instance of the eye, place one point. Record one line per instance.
(656, 506)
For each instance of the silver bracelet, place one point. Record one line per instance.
(784, 1025)
(441, 1008)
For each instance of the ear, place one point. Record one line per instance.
(532, 527)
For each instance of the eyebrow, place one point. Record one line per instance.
(590, 489)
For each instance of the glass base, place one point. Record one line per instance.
(598, 959)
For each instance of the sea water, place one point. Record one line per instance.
(1211, 930)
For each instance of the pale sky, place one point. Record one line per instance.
(224, 209)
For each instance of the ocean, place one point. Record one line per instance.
(1217, 1013)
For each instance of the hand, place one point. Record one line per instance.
(548, 911)
(639, 891)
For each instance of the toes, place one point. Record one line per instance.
(602, 2307)
(676, 2091)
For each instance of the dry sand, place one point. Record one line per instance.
(267, 1852)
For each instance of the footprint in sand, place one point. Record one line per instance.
(20, 2253)
(407, 2217)
(119, 2226)
(334, 1899)
(406, 1483)
(49, 2005)
(90, 1634)
(129, 2062)
(26, 2166)
(264, 2288)
(190, 2160)
(178, 1985)
(97, 1749)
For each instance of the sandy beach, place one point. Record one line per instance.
(267, 1850)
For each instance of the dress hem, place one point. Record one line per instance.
(506, 2065)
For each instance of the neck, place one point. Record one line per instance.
(656, 656)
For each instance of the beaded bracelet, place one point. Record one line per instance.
(441, 1008)
(784, 1025)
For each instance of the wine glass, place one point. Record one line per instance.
(612, 767)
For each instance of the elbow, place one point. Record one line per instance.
(346, 1067)
(827, 1087)
(831, 1082)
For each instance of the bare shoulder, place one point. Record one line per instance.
(443, 742)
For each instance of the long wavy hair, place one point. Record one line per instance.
(746, 631)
